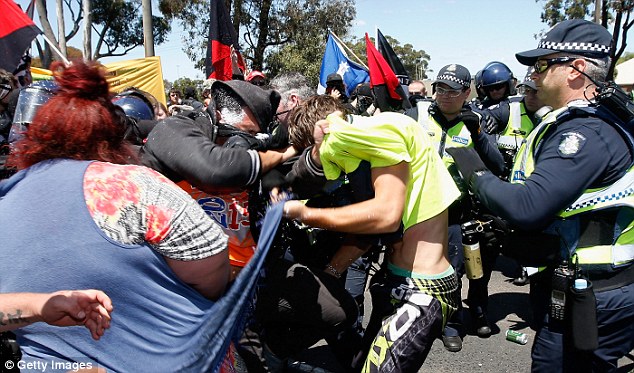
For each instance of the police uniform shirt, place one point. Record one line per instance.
(500, 113)
(571, 157)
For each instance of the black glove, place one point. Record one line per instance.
(495, 236)
(468, 162)
(471, 120)
(490, 124)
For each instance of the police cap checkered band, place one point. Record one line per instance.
(575, 47)
(575, 36)
(455, 76)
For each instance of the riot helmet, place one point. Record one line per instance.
(30, 99)
(496, 73)
(477, 81)
(136, 103)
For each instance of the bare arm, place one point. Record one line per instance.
(381, 214)
(271, 158)
(209, 276)
(90, 308)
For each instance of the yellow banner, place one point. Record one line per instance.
(143, 73)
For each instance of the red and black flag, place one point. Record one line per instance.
(17, 31)
(389, 94)
(222, 45)
(390, 56)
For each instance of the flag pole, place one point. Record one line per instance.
(376, 37)
(358, 60)
(54, 47)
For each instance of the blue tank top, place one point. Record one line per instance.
(51, 243)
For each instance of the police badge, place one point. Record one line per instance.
(571, 143)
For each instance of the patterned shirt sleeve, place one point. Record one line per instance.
(135, 205)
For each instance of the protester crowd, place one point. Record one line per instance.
(162, 209)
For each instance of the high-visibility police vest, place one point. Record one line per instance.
(456, 137)
(517, 128)
(619, 195)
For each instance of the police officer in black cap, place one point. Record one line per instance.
(571, 207)
(450, 123)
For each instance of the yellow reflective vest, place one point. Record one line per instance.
(619, 195)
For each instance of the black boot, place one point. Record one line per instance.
(481, 323)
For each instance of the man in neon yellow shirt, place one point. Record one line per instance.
(418, 291)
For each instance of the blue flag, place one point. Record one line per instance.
(336, 61)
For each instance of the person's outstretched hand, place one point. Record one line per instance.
(90, 308)
(335, 93)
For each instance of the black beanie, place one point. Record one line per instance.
(263, 103)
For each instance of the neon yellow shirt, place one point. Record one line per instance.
(385, 140)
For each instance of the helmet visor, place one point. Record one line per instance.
(29, 102)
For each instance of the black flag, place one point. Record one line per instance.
(395, 63)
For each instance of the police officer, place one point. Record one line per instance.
(451, 123)
(511, 120)
(567, 194)
(497, 83)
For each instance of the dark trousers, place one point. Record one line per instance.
(455, 325)
(552, 350)
(297, 307)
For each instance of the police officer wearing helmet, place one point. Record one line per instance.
(569, 193)
(497, 83)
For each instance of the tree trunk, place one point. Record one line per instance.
(46, 57)
(87, 30)
(258, 57)
(61, 32)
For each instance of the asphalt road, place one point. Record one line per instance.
(508, 309)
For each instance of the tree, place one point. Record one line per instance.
(182, 83)
(625, 57)
(118, 24)
(610, 13)
(193, 15)
(71, 54)
(274, 35)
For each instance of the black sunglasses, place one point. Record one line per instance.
(542, 65)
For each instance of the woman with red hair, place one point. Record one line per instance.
(80, 215)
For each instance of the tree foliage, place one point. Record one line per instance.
(182, 83)
(274, 35)
(118, 24)
(614, 15)
(416, 62)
